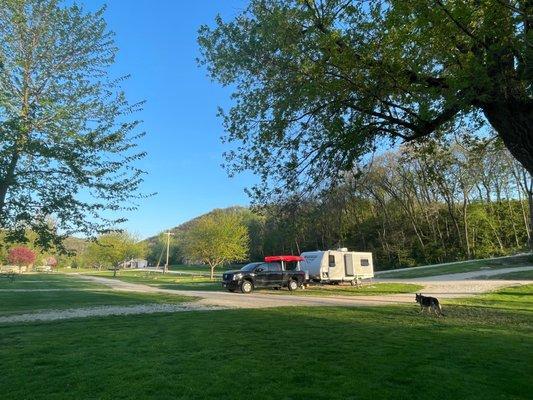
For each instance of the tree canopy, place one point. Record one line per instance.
(217, 238)
(114, 248)
(318, 83)
(21, 255)
(67, 137)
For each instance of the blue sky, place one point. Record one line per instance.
(157, 42)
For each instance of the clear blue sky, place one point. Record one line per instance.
(157, 42)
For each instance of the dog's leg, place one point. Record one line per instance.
(440, 310)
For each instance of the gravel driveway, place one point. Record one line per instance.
(212, 300)
(447, 289)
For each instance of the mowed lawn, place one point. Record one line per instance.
(459, 267)
(367, 289)
(479, 350)
(165, 281)
(39, 292)
(517, 275)
(185, 282)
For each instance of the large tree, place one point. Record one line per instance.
(217, 238)
(317, 83)
(67, 138)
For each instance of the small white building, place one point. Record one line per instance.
(136, 263)
(337, 265)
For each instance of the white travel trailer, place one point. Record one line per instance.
(337, 265)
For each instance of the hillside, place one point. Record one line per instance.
(157, 246)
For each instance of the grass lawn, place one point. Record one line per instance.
(518, 298)
(177, 282)
(518, 275)
(67, 291)
(203, 269)
(165, 281)
(346, 290)
(467, 266)
(47, 281)
(285, 353)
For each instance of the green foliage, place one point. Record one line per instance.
(112, 249)
(67, 138)
(440, 201)
(217, 238)
(317, 84)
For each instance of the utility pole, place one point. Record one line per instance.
(168, 233)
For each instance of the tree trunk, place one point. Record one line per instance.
(465, 228)
(530, 201)
(7, 180)
(513, 120)
(212, 270)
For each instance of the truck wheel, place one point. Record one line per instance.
(247, 287)
(293, 285)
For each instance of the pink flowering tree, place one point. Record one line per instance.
(21, 256)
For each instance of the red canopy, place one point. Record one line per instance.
(283, 258)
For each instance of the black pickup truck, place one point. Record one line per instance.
(274, 272)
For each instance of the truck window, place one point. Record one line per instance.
(273, 267)
(331, 260)
(364, 262)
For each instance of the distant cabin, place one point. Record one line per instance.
(136, 263)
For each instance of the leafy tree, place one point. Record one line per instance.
(158, 247)
(318, 83)
(21, 256)
(113, 249)
(217, 238)
(67, 142)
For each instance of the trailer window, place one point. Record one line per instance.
(331, 260)
(364, 262)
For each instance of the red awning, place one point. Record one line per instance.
(283, 258)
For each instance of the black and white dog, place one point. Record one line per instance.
(429, 303)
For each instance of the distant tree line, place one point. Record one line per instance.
(436, 201)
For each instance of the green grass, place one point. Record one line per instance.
(47, 281)
(285, 353)
(365, 290)
(165, 281)
(176, 282)
(67, 291)
(203, 269)
(518, 275)
(518, 298)
(467, 266)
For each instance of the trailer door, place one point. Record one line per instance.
(348, 265)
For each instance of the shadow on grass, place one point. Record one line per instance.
(296, 353)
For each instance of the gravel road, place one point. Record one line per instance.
(471, 275)
(213, 300)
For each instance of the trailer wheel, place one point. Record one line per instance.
(247, 287)
(293, 285)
